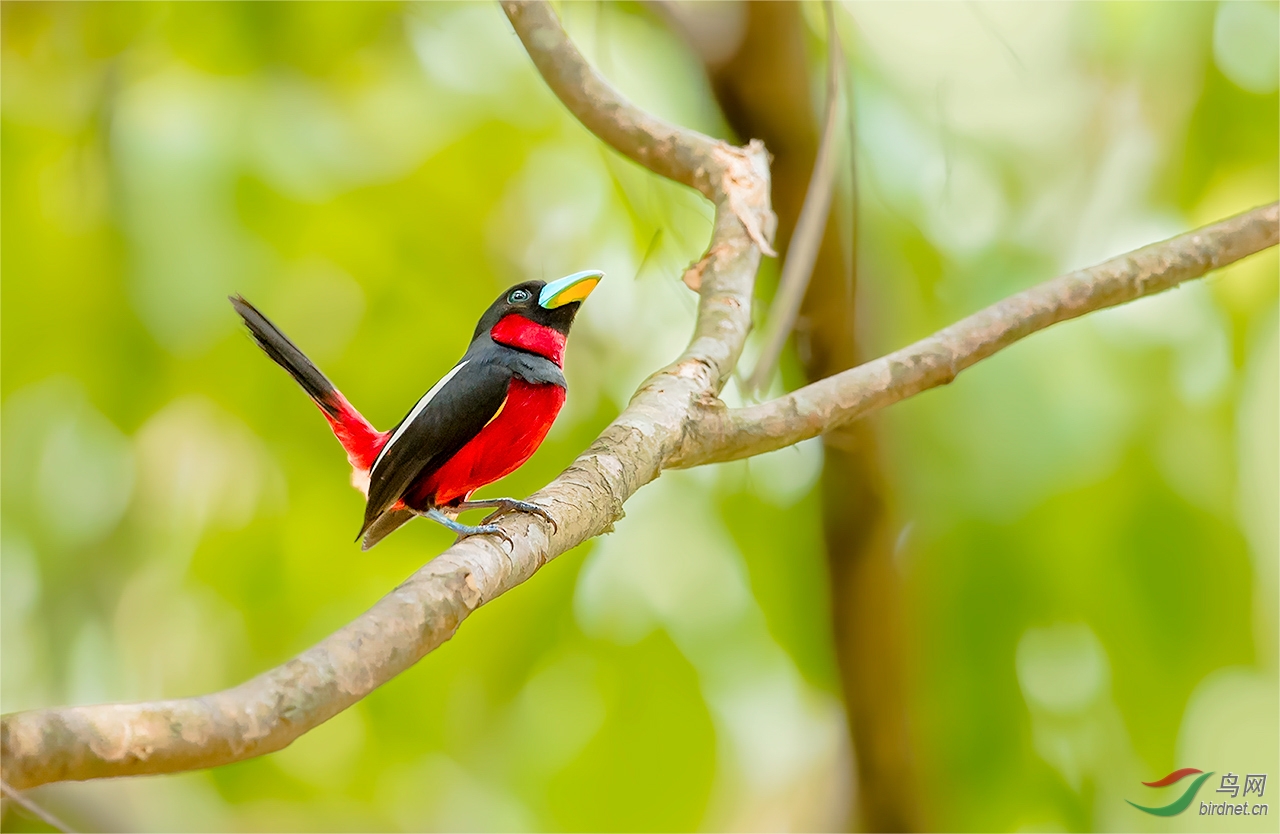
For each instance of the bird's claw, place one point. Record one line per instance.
(483, 529)
(464, 530)
(523, 507)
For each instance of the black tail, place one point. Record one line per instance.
(386, 524)
(286, 354)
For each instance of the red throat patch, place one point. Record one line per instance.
(514, 330)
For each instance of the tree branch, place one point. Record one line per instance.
(271, 710)
(677, 153)
(725, 434)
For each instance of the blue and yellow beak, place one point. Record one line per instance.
(569, 289)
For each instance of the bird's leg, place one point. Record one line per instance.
(464, 530)
(507, 505)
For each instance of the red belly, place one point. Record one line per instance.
(498, 450)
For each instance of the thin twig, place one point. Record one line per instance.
(33, 809)
(850, 238)
(802, 252)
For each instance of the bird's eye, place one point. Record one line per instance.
(519, 296)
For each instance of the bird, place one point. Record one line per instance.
(480, 422)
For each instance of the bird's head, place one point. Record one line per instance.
(536, 315)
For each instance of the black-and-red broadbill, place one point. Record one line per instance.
(480, 422)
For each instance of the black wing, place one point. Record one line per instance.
(441, 423)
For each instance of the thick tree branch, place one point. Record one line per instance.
(271, 710)
(725, 434)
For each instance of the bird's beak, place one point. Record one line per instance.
(569, 289)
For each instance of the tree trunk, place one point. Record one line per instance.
(764, 89)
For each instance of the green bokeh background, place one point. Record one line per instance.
(1088, 520)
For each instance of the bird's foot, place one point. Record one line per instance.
(508, 505)
(465, 530)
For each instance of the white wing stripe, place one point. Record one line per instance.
(417, 409)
